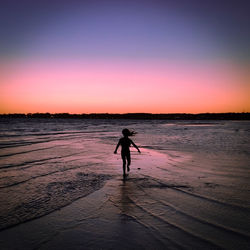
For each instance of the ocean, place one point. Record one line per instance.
(61, 185)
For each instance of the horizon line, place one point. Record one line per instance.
(128, 113)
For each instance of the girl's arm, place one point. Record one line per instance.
(118, 144)
(135, 146)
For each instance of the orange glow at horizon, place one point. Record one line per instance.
(95, 87)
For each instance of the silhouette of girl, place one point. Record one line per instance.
(125, 143)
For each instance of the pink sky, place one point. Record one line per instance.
(121, 87)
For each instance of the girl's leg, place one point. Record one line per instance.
(124, 164)
(128, 161)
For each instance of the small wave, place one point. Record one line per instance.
(39, 161)
(223, 203)
(35, 141)
(29, 151)
(196, 218)
(167, 225)
(36, 134)
(41, 175)
(52, 196)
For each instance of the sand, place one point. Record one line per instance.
(61, 186)
(151, 209)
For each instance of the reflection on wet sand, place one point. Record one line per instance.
(126, 205)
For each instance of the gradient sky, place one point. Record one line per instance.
(124, 56)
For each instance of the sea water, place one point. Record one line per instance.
(189, 188)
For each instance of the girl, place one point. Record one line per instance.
(125, 143)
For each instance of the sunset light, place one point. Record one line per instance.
(121, 58)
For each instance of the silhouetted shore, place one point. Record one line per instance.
(142, 116)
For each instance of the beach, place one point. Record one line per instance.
(61, 186)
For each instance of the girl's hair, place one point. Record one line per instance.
(127, 132)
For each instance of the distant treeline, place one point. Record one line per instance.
(138, 116)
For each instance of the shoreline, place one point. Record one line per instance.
(241, 116)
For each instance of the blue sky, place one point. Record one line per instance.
(146, 29)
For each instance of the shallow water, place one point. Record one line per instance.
(189, 188)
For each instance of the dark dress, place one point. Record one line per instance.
(125, 144)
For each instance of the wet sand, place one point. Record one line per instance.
(159, 206)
